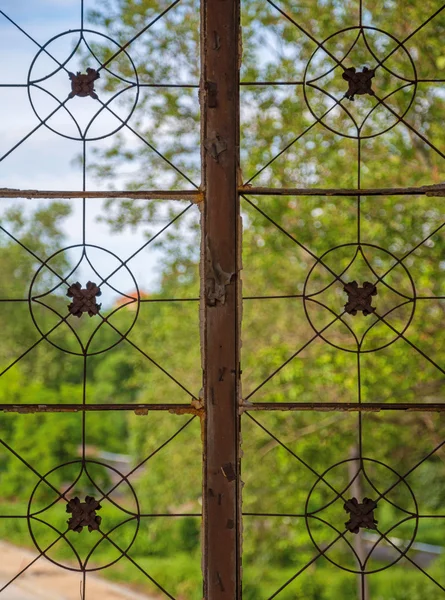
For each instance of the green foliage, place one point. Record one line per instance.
(278, 477)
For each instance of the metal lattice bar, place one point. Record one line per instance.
(369, 407)
(425, 190)
(191, 195)
(138, 409)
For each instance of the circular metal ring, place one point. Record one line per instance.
(309, 298)
(36, 300)
(83, 564)
(308, 82)
(413, 515)
(36, 83)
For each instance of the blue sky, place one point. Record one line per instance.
(46, 160)
(35, 11)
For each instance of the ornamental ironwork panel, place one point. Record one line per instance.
(100, 472)
(146, 443)
(342, 357)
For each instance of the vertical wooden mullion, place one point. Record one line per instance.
(220, 286)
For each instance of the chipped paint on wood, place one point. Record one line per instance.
(220, 298)
(216, 279)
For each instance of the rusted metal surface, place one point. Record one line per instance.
(342, 406)
(139, 409)
(195, 409)
(220, 328)
(190, 195)
(360, 298)
(83, 514)
(424, 190)
(82, 84)
(84, 299)
(361, 514)
(359, 82)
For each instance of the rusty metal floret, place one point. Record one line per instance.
(359, 82)
(362, 515)
(84, 299)
(82, 84)
(360, 298)
(83, 514)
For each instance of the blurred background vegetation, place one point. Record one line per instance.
(279, 478)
